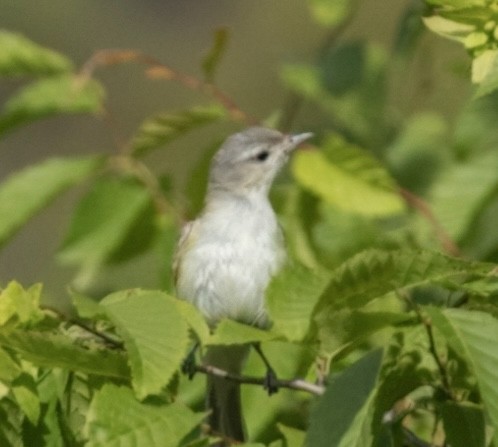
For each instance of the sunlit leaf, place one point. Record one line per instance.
(448, 28)
(51, 96)
(213, 57)
(26, 192)
(117, 419)
(473, 336)
(485, 72)
(348, 178)
(20, 56)
(154, 333)
(342, 417)
(163, 128)
(20, 304)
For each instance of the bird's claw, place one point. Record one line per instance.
(189, 365)
(270, 383)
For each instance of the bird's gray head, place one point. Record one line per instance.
(248, 161)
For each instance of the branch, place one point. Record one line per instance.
(106, 338)
(158, 70)
(294, 384)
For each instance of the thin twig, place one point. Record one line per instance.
(424, 209)
(441, 365)
(294, 384)
(109, 339)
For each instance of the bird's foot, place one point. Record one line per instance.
(270, 383)
(189, 365)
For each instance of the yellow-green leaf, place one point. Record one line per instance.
(20, 56)
(348, 178)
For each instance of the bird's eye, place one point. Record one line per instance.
(262, 156)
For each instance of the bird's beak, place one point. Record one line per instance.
(297, 139)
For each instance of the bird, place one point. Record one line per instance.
(226, 257)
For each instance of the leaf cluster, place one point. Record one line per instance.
(387, 306)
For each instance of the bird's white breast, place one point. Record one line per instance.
(231, 253)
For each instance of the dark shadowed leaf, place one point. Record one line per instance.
(57, 351)
(343, 415)
(473, 335)
(463, 424)
(105, 222)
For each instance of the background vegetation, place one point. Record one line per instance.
(387, 310)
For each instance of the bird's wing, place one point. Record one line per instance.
(185, 241)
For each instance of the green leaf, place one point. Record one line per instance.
(462, 190)
(344, 413)
(293, 437)
(20, 56)
(194, 319)
(198, 180)
(166, 127)
(117, 419)
(9, 368)
(473, 336)
(331, 13)
(374, 273)
(52, 96)
(348, 178)
(230, 332)
(104, 221)
(485, 72)
(213, 57)
(416, 155)
(21, 304)
(291, 297)
(463, 424)
(297, 211)
(154, 333)
(25, 193)
(56, 351)
(86, 307)
(26, 395)
(448, 28)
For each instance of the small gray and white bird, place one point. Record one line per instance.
(228, 255)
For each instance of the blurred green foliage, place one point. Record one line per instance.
(387, 308)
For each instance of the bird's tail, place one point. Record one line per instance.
(223, 396)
